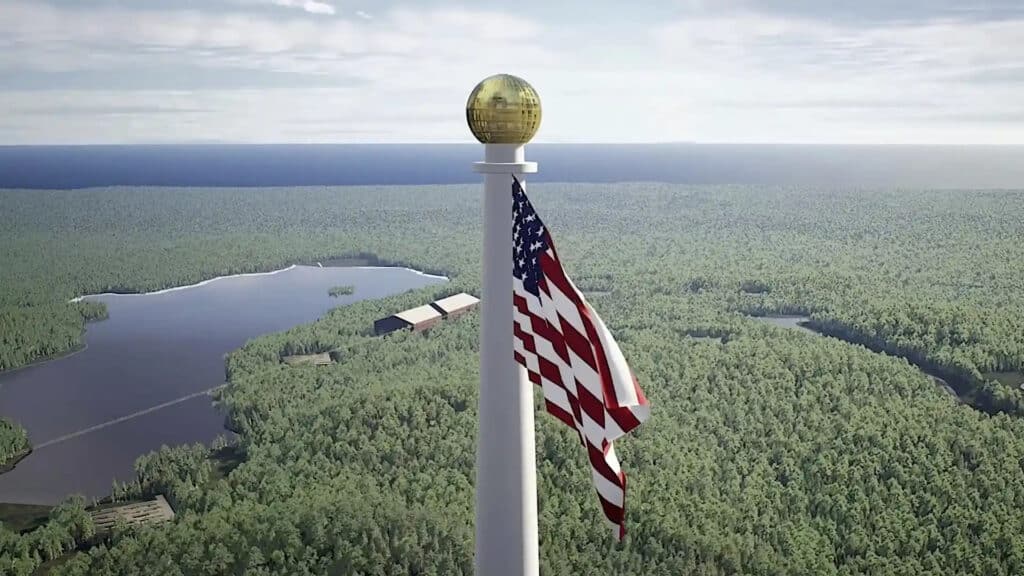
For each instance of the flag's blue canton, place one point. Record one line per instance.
(529, 241)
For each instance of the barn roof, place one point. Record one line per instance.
(419, 314)
(456, 302)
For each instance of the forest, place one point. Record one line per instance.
(769, 452)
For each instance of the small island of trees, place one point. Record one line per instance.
(341, 290)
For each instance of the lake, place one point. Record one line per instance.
(791, 322)
(156, 348)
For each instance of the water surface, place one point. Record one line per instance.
(791, 322)
(155, 348)
(347, 164)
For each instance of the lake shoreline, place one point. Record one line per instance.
(369, 262)
(185, 287)
(251, 274)
(964, 389)
(76, 349)
(807, 325)
(940, 381)
(13, 461)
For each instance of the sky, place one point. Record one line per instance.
(280, 71)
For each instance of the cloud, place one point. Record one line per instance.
(249, 76)
(244, 70)
(869, 12)
(839, 74)
(364, 15)
(65, 109)
(932, 47)
(310, 6)
(287, 114)
(838, 103)
(1005, 117)
(1008, 74)
(42, 37)
(166, 74)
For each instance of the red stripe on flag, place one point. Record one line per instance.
(525, 338)
(547, 331)
(553, 271)
(556, 411)
(624, 418)
(597, 460)
(550, 371)
(534, 377)
(613, 512)
(591, 404)
(578, 343)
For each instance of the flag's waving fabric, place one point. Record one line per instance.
(567, 351)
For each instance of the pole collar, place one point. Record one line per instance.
(505, 167)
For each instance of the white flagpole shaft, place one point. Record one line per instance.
(506, 460)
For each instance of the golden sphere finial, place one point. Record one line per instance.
(503, 109)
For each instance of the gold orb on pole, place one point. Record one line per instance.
(503, 109)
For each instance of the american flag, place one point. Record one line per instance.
(567, 351)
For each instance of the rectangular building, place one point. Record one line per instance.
(416, 319)
(155, 510)
(457, 305)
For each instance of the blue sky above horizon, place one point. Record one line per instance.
(795, 71)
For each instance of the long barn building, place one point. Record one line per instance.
(424, 317)
(455, 306)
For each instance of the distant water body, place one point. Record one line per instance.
(344, 164)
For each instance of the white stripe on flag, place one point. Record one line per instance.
(622, 378)
(610, 492)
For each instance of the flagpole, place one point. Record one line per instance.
(503, 112)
